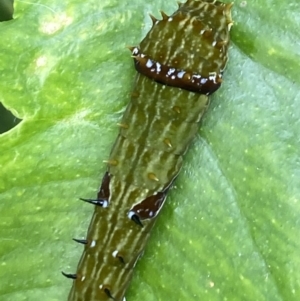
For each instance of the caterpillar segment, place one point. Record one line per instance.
(179, 64)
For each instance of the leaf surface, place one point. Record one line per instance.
(230, 228)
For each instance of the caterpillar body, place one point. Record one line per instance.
(179, 64)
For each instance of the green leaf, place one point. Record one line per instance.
(230, 228)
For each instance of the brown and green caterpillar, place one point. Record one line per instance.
(179, 64)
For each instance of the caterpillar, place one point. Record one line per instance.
(179, 64)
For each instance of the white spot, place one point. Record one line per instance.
(142, 55)
(151, 213)
(173, 76)
(170, 19)
(149, 63)
(203, 80)
(105, 204)
(197, 76)
(58, 22)
(82, 278)
(202, 31)
(93, 244)
(131, 214)
(180, 74)
(211, 284)
(214, 43)
(212, 76)
(135, 50)
(115, 253)
(101, 286)
(152, 70)
(41, 61)
(243, 4)
(171, 70)
(158, 67)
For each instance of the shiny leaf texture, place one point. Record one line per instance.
(230, 227)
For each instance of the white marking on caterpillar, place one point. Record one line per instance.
(180, 74)
(212, 76)
(131, 214)
(149, 63)
(158, 67)
(171, 70)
